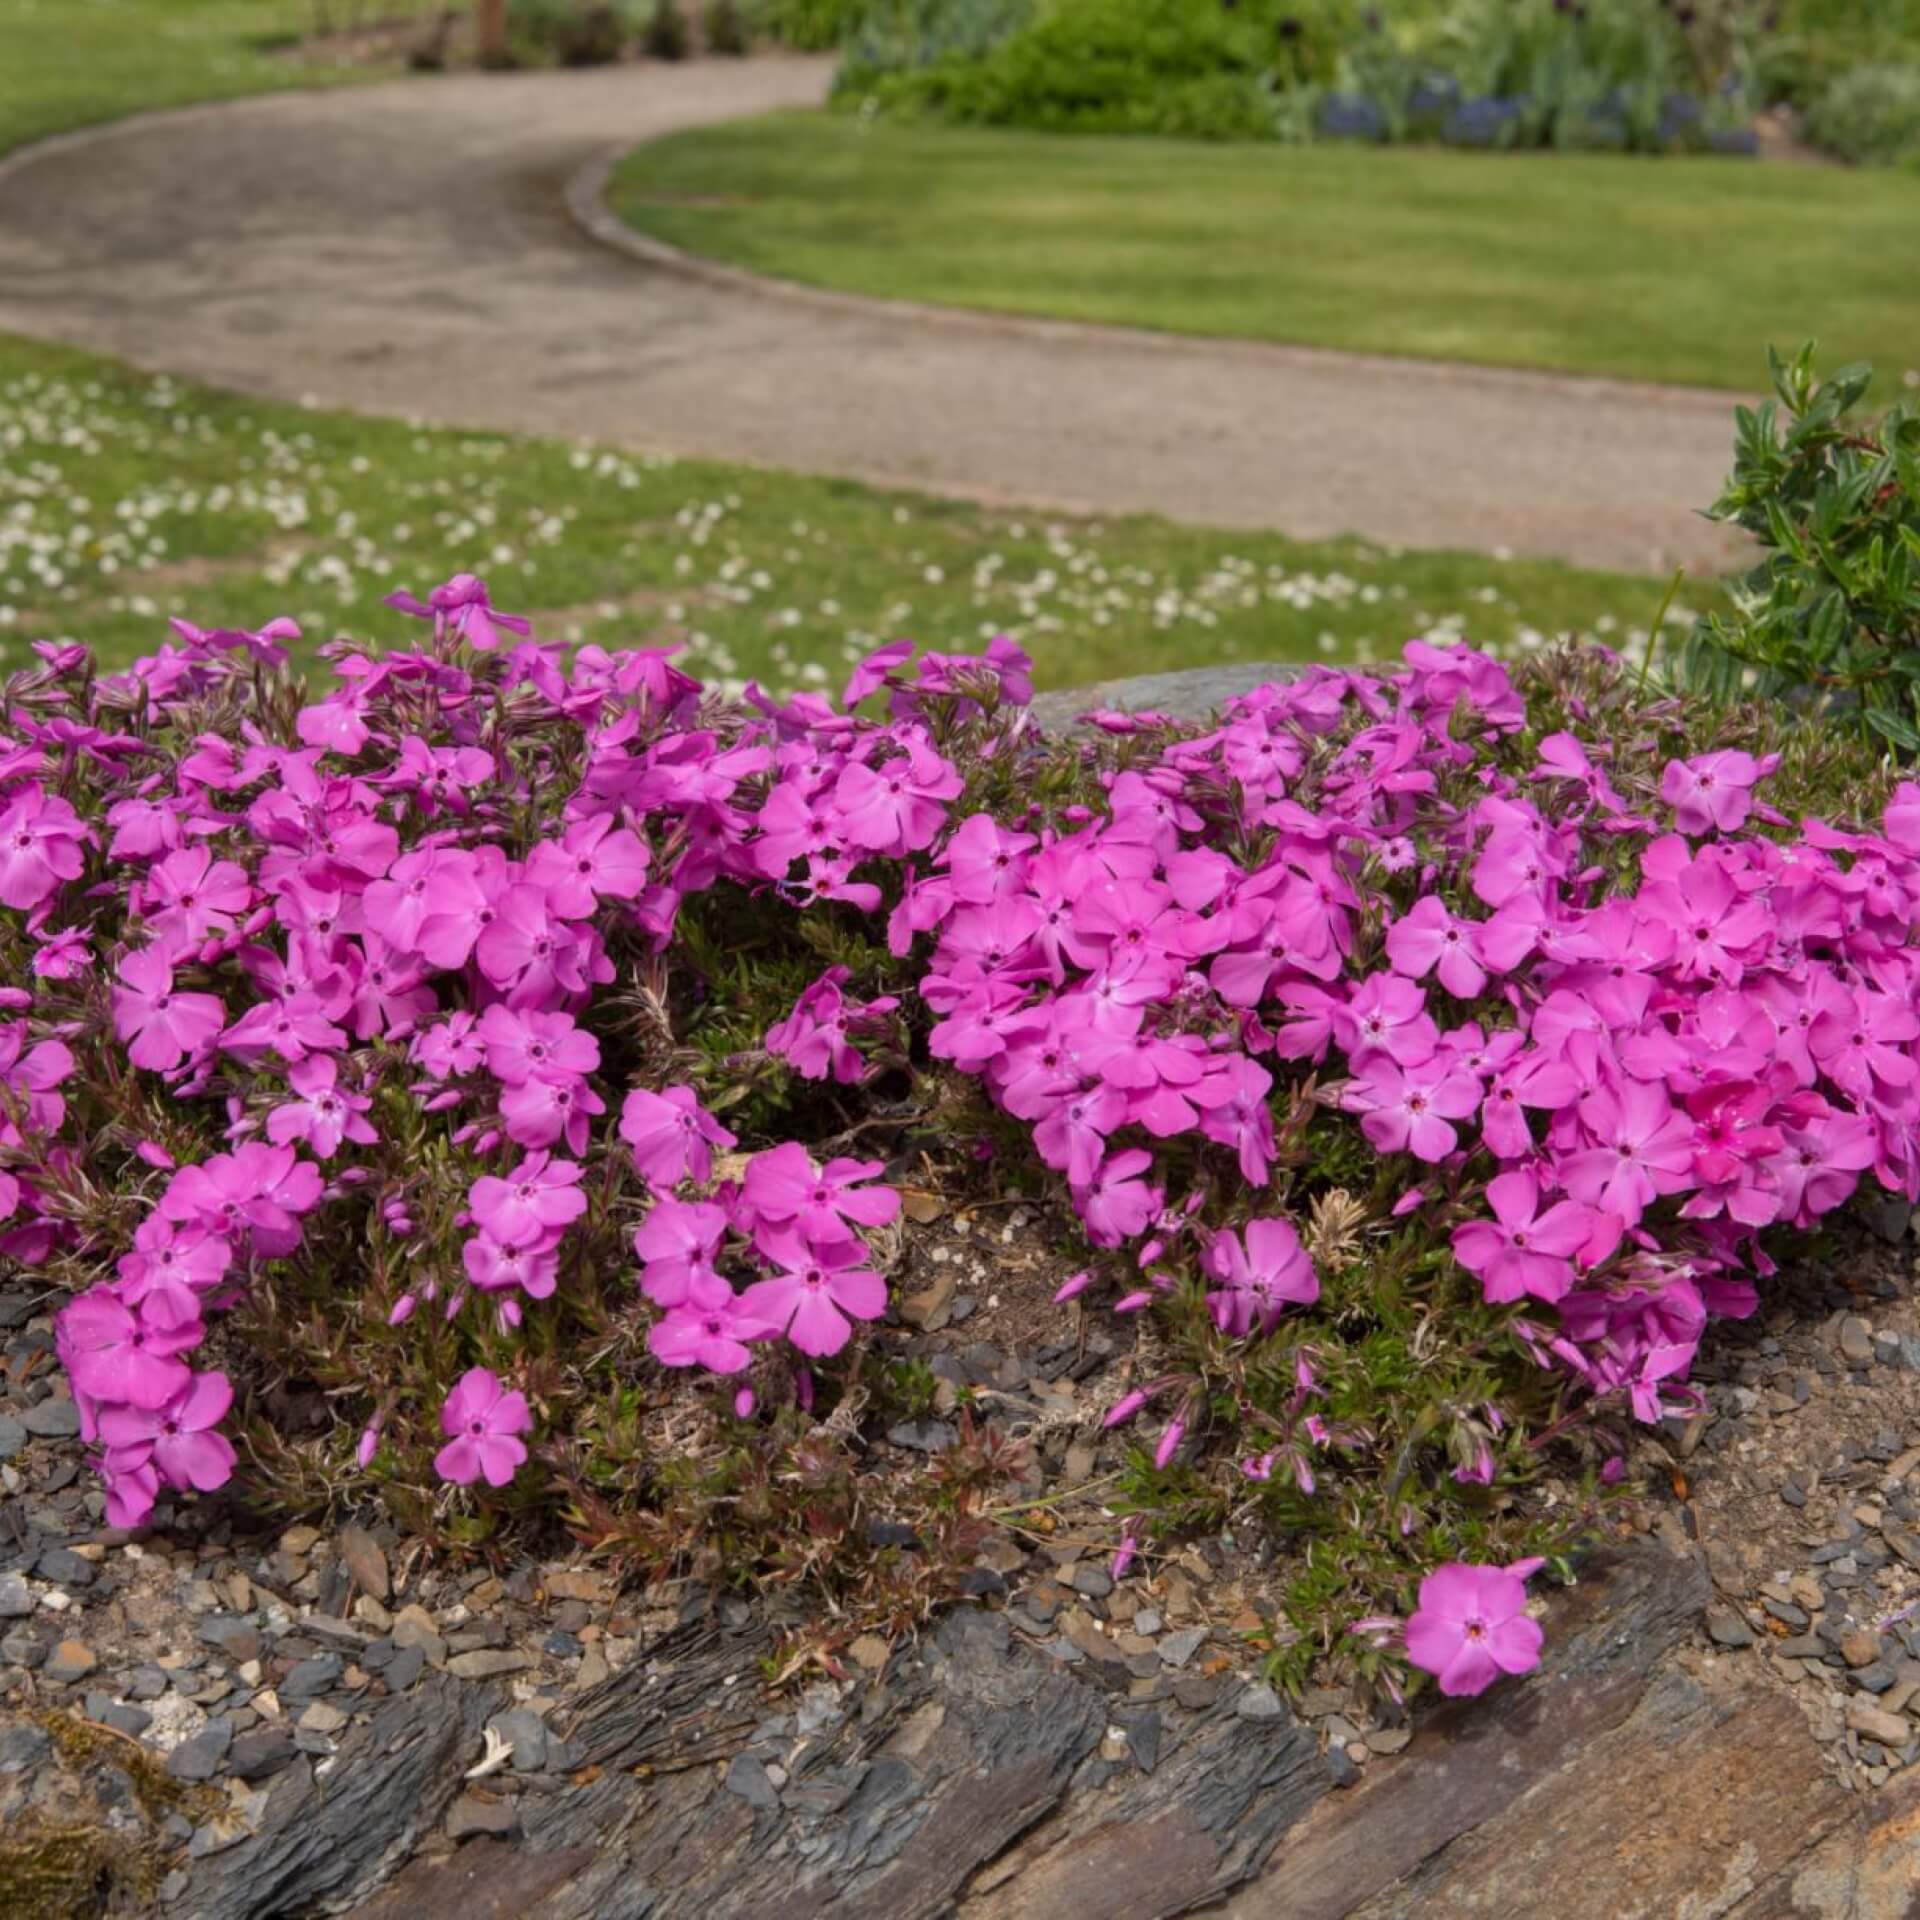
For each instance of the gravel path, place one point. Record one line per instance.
(406, 250)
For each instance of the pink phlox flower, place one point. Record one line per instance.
(1387, 1014)
(41, 838)
(1471, 1626)
(818, 1290)
(899, 806)
(532, 1267)
(678, 1244)
(173, 1263)
(1523, 1251)
(256, 1194)
(128, 1355)
(1261, 1275)
(1429, 939)
(596, 858)
(1712, 792)
(322, 1115)
(176, 1437)
(1116, 1202)
(190, 896)
(784, 1188)
(672, 1136)
(1409, 1109)
(485, 1423)
(460, 606)
(161, 1026)
(713, 1337)
(1641, 1148)
(538, 1196)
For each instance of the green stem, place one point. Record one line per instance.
(1659, 623)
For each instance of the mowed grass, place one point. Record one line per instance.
(1669, 269)
(126, 499)
(66, 63)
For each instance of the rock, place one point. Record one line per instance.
(365, 1561)
(403, 1669)
(1146, 1621)
(1176, 1649)
(923, 1436)
(1259, 1703)
(200, 1757)
(413, 1627)
(1876, 1678)
(488, 1663)
(53, 1419)
(1191, 694)
(1855, 1341)
(1081, 1459)
(472, 1814)
(1095, 1582)
(71, 1660)
(932, 1308)
(1903, 1543)
(1860, 1647)
(23, 1747)
(871, 1652)
(1890, 1729)
(1340, 1767)
(748, 1778)
(526, 1733)
(65, 1568)
(235, 1635)
(1388, 1739)
(1727, 1629)
(308, 1677)
(320, 1717)
(13, 1436)
(264, 1751)
(16, 1599)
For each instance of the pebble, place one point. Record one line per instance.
(365, 1561)
(255, 1755)
(923, 1436)
(1340, 1767)
(13, 1436)
(1095, 1582)
(1259, 1702)
(1727, 1629)
(1146, 1620)
(1856, 1341)
(308, 1677)
(199, 1758)
(71, 1660)
(1176, 1649)
(472, 1814)
(488, 1663)
(16, 1599)
(526, 1733)
(319, 1717)
(1876, 1678)
(1860, 1647)
(1890, 1729)
(747, 1777)
(870, 1651)
(54, 1419)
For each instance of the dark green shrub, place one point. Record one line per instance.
(810, 26)
(665, 36)
(724, 27)
(1830, 618)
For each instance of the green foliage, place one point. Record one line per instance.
(1103, 66)
(1869, 114)
(725, 27)
(810, 26)
(665, 36)
(1830, 618)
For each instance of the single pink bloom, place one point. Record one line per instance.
(785, 1188)
(1471, 1626)
(816, 1290)
(1260, 1279)
(161, 1027)
(1522, 1250)
(540, 1195)
(114, 1352)
(678, 1243)
(176, 1437)
(713, 1337)
(672, 1136)
(486, 1422)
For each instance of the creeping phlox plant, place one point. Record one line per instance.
(1425, 1069)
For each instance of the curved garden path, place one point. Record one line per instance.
(406, 249)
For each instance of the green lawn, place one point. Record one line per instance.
(1654, 269)
(65, 63)
(125, 498)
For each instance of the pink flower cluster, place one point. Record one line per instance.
(363, 951)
